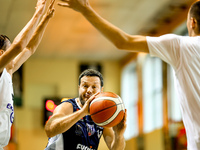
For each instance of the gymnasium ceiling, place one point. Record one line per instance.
(69, 35)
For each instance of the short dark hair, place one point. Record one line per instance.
(92, 73)
(4, 40)
(195, 12)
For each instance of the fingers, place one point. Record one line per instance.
(51, 10)
(94, 96)
(41, 2)
(65, 0)
(40, 6)
(125, 117)
(44, 1)
(64, 5)
(122, 125)
(51, 4)
(97, 93)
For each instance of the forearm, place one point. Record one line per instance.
(111, 32)
(122, 40)
(32, 45)
(61, 124)
(35, 39)
(119, 38)
(38, 34)
(22, 39)
(118, 143)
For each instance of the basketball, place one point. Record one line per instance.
(107, 109)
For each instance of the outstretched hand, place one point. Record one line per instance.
(40, 6)
(77, 5)
(51, 9)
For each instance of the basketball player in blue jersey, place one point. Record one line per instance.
(71, 126)
(181, 52)
(12, 56)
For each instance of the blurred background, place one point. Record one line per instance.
(71, 44)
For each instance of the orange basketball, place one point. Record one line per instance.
(107, 109)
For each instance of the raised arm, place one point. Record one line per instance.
(120, 39)
(35, 39)
(23, 37)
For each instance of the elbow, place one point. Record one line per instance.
(49, 135)
(31, 49)
(18, 47)
(48, 132)
(122, 42)
(120, 45)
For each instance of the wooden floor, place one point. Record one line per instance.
(28, 140)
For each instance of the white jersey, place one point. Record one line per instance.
(6, 107)
(183, 54)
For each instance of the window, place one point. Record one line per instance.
(129, 94)
(152, 94)
(174, 106)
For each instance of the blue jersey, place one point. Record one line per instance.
(84, 134)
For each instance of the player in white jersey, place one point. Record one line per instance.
(12, 56)
(182, 53)
(6, 107)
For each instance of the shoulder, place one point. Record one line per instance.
(64, 108)
(66, 101)
(165, 41)
(6, 73)
(171, 36)
(165, 37)
(69, 100)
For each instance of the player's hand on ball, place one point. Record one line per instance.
(121, 127)
(78, 5)
(87, 104)
(107, 109)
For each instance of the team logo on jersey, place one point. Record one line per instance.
(9, 106)
(83, 147)
(99, 133)
(78, 130)
(90, 129)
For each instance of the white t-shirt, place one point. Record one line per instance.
(6, 107)
(183, 54)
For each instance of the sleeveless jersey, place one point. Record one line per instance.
(84, 134)
(6, 107)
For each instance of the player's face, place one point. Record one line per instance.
(89, 86)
